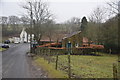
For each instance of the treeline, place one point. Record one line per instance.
(40, 22)
(104, 34)
(12, 25)
(98, 32)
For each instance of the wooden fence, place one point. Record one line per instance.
(53, 51)
(47, 54)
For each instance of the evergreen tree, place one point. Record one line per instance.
(84, 25)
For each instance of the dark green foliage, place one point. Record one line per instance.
(110, 34)
(84, 27)
(10, 26)
(104, 34)
(84, 23)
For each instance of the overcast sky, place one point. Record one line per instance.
(62, 9)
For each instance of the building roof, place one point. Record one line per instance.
(46, 40)
(71, 34)
(85, 39)
(54, 38)
(49, 44)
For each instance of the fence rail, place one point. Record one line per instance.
(48, 53)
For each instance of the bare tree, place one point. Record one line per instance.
(38, 12)
(13, 22)
(10, 25)
(113, 6)
(73, 24)
(98, 15)
(25, 21)
(50, 29)
(3, 20)
(97, 18)
(4, 23)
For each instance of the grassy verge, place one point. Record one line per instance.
(82, 66)
(52, 73)
(88, 66)
(2, 49)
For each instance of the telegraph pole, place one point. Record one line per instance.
(31, 24)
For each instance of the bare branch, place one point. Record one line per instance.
(113, 6)
(39, 12)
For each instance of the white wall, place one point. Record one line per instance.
(23, 36)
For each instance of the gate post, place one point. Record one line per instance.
(69, 61)
(114, 71)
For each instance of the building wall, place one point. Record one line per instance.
(23, 36)
(75, 40)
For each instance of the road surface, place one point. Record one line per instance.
(16, 64)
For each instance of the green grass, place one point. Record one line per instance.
(49, 68)
(88, 66)
(2, 49)
(82, 66)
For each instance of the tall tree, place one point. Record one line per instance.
(14, 21)
(110, 32)
(4, 23)
(113, 7)
(97, 17)
(72, 25)
(24, 21)
(40, 12)
(84, 23)
(50, 29)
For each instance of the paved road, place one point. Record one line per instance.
(15, 63)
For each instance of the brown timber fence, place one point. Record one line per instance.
(48, 52)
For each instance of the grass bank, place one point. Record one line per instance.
(2, 49)
(49, 68)
(82, 66)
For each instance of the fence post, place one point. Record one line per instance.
(56, 61)
(69, 50)
(118, 66)
(69, 66)
(48, 55)
(114, 71)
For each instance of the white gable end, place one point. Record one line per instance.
(23, 36)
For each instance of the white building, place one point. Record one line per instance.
(23, 36)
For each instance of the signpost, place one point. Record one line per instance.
(69, 52)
